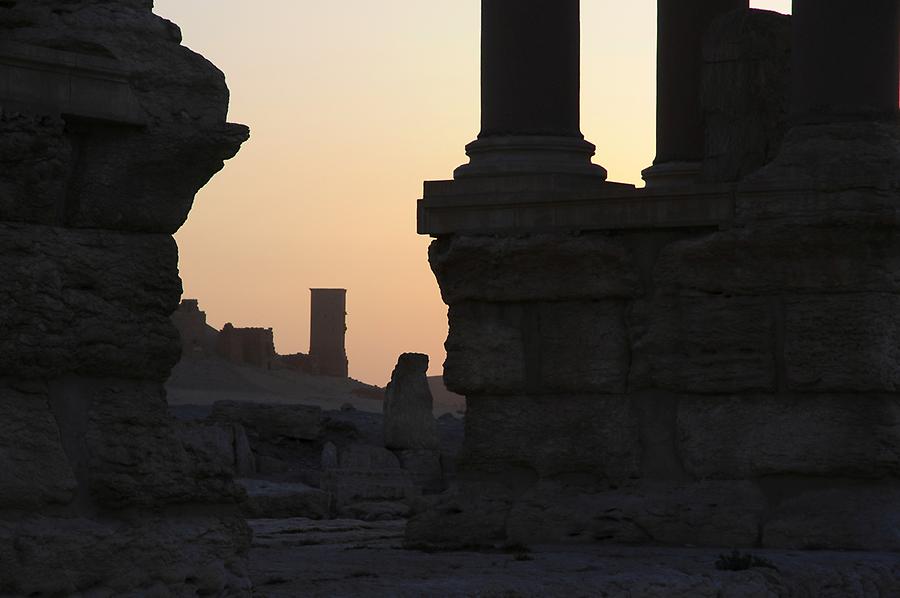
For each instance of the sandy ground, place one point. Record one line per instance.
(299, 557)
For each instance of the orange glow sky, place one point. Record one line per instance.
(352, 104)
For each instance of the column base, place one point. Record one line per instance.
(671, 175)
(530, 154)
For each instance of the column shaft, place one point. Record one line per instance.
(682, 25)
(846, 60)
(530, 88)
(530, 67)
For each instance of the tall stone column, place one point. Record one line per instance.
(845, 60)
(682, 25)
(530, 87)
(328, 331)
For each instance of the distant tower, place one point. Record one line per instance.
(328, 328)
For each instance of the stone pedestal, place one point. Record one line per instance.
(681, 26)
(517, 155)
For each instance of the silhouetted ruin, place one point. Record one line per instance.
(108, 127)
(197, 337)
(247, 346)
(408, 406)
(256, 346)
(708, 361)
(253, 346)
(328, 328)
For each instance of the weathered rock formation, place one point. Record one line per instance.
(409, 426)
(108, 127)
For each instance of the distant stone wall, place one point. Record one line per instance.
(96, 177)
(250, 346)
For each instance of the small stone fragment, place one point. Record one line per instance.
(408, 404)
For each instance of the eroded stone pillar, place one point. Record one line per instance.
(530, 87)
(682, 25)
(845, 60)
(101, 489)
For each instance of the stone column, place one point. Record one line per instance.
(845, 60)
(682, 25)
(530, 87)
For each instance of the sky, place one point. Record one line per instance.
(352, 104)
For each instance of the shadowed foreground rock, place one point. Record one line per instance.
(108, 127)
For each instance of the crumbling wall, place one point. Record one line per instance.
(240, 346)
(198, 339)
(107, 130)
(250, 346)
